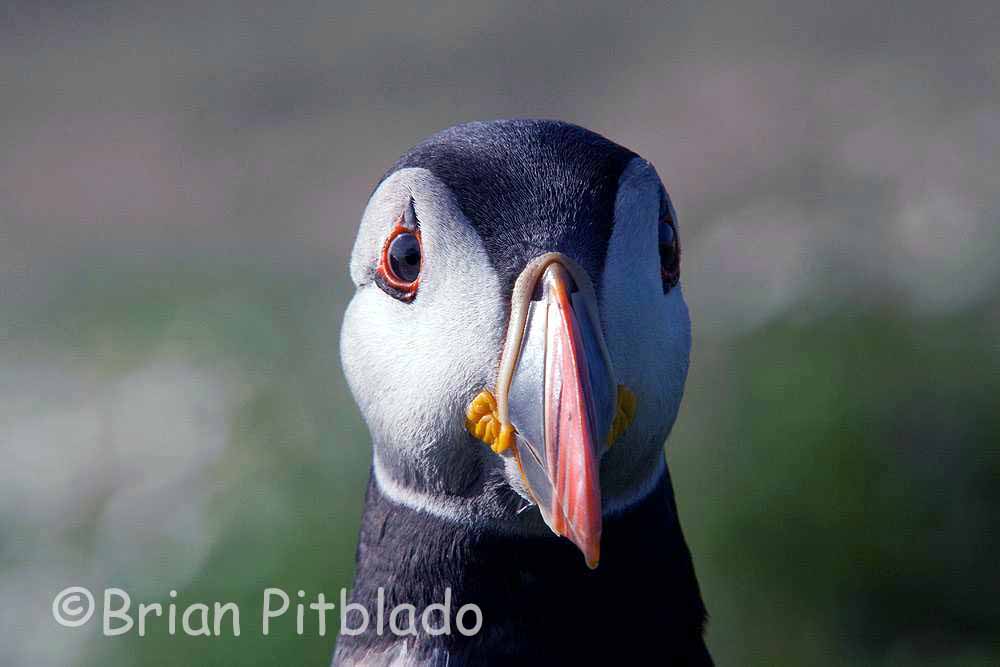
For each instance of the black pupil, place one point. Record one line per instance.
(668, 247)
(404, 257)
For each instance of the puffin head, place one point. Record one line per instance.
(518, 342)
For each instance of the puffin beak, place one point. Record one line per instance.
(560, 396)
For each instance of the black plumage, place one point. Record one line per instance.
(540, 605)
(529, 186)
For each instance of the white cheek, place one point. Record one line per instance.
(649, 333)
(381, 364)
(413, 367)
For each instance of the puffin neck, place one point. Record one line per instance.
(534, 592)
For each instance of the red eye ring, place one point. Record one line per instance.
(386, 277)
(670, 253)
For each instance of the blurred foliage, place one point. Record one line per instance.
(844, 510)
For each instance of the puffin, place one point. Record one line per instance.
(518, 344)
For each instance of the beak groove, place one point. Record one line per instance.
(557, 389)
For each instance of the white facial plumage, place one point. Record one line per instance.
(414, 367)
(648, 335)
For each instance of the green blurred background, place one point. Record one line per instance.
(179, 188)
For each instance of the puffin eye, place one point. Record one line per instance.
(404, 257)
(398, 271)
(670, 253)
